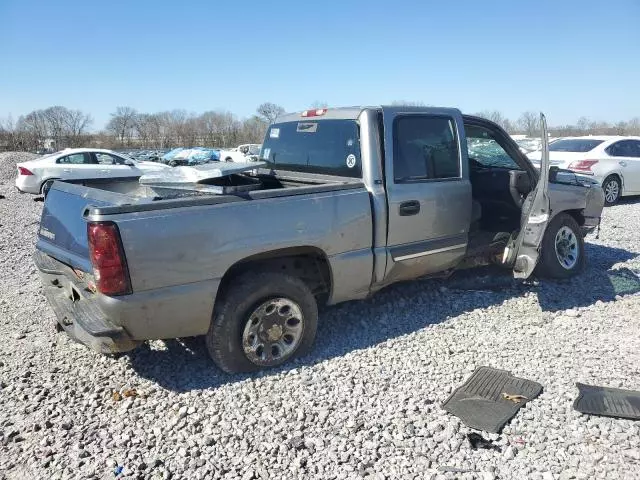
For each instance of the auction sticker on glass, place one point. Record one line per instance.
(351, 160)
(274, 133)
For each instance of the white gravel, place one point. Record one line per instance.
(365, 404)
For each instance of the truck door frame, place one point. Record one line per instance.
(428, 218)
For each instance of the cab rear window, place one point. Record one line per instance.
(329, 147)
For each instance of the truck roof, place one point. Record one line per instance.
(340, 113)
(348, 113)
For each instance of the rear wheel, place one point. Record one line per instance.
(612, 187)
(264, 320)
(562, 254)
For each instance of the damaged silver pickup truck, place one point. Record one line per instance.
(343, 203)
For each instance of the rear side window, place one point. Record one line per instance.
(329, 147)
(425, 148)
(574, 145)
(625, 148)
(75, 159)
(107, 159)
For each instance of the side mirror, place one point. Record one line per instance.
(129, 163)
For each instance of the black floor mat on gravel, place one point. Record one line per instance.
(608, 402)
(490, 398)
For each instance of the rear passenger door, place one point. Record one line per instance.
(428, 190)
(626, 154)
(76, 166)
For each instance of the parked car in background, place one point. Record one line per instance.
(251, 151)
(194, 156)
(613, 161)
(36, 176)
(248, 152)
(232, 155)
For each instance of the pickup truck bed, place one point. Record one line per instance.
(174, 284)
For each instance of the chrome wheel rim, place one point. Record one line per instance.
(567, 248)
(273, 332)
(611, 191)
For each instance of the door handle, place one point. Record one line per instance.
(622, 163)
(412, 207)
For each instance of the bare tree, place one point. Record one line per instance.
(253, 130)
(122, 124)
(269, 111)
(633, 126)
(529, 123)
(34, 129)
(76, 125)
(497, 117)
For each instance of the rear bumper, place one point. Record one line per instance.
(75, 311)
(119, 324)
(28, 184)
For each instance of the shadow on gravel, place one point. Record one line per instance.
(629, 200)
(598, 281)
(185, 364)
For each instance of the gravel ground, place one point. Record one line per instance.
(365, 404)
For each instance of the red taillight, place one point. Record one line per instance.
(314, 113)
(582, 165)
(24, 171)
(109, 264)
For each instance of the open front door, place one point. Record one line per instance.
(523, 253)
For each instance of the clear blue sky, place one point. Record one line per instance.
(568, 58)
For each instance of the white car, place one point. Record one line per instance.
(243, 153)
(36, 176)
(613, 161)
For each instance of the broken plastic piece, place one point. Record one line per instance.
(478, 441)
(608, 402)
(514, 398)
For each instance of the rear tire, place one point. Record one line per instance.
(241, 323)
(612, 187)
(562, 254)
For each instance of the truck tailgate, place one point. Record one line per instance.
(63, 229)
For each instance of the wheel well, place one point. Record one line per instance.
(618, 176)
(45, 181)
(310, 264)
(228, 159)
(577, 215)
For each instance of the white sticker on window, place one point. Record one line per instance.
(351, 160)
(266, 153)
(274, 133)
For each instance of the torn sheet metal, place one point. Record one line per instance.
(198, 173)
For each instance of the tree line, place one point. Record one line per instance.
(58, 127)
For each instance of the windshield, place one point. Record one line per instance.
(330, 147)
(574, 145)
